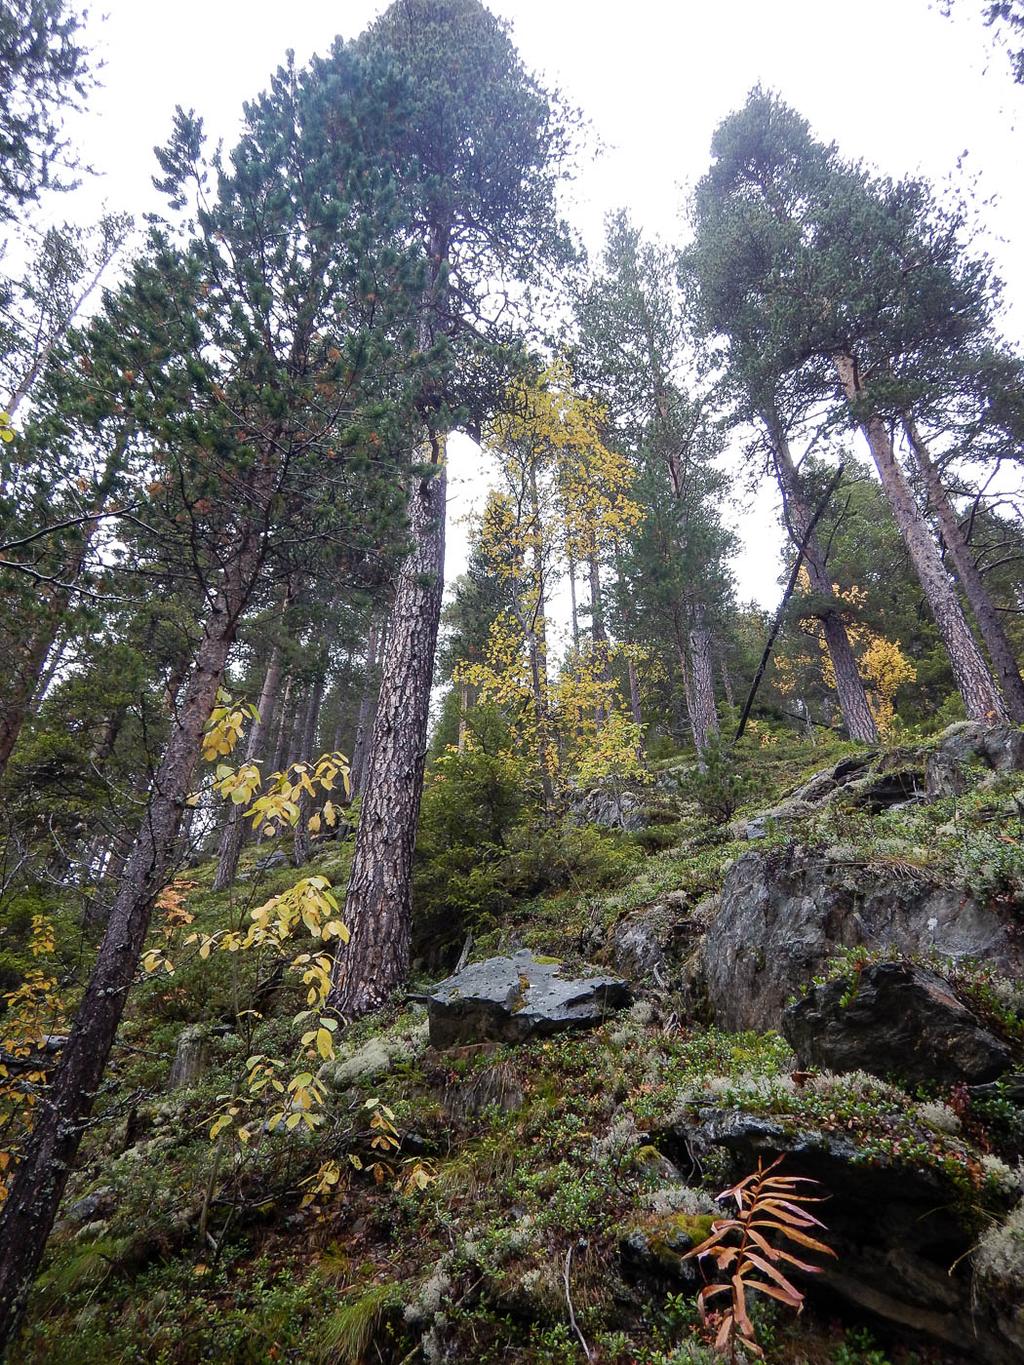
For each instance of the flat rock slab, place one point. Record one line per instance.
(510, 999)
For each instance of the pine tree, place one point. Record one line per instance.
(809, 266)
(476, 159)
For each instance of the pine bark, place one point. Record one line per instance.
(378, 903)
(973, 678)
(702, 685)
(31, 1207)
(997, 643)
(853, 702)
(233, 833)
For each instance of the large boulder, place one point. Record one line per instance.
(900, 1230)
(1000, 748)
(785, 913)
(897, 1021)
(510, 999)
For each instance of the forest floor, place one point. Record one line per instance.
(495, 1221)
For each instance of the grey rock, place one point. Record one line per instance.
(100, 1204)
(608, 807)
(784, 913)
(1000, 748)
(823, 783)
(375, 1057)
(510, 999)
(656, 1257)
(1009, 1087)
(903, 1022)
(880, 791)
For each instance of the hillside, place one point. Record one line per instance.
(526, 1197)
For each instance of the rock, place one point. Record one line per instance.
(191, 1057)
(999, 1276)
(880, 791)
(900, 1231)
(509, 999)
(903, 1022)
(816, 788)
(643, 946)
(1009, 1088)
(653, 1251)
(100, 1204)
(608, 807)
(267, 863)
(998, 747)
(784, 913)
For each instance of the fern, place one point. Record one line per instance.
(767, 1206)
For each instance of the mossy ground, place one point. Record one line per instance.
(202, 1251)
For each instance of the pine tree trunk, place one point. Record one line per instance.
(28, 1214)
(378, 903)
(975, 682)
(853, 702)
(684, 673)
(233, 833)
(991, 627)
(705, 716)
(364, 722)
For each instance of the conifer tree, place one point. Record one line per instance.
(805, 260)
(476, 160)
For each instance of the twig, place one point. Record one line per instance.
(572, 1312)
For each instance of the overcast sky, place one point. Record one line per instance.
(890, 81)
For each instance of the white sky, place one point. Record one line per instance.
(890, 80)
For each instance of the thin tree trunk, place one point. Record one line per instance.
(991, 627)
(853, 702)
(776, 625)
(378, 903)
(233, 833)
(974, 680)
(723, 669)
(684, 672)
(28, 1214)
(705, 716)
(364, 721)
